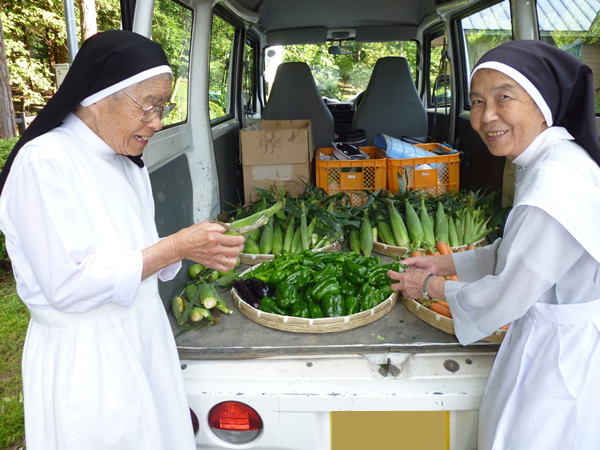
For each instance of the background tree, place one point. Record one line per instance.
(7, 112)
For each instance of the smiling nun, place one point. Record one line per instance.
(533, 104)
(100, 366)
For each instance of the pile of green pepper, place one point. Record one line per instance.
(315, 285)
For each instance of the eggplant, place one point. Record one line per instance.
(261, 288)
(246, 294)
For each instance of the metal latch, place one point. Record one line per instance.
(388, 367)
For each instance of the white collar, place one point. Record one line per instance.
(536, 148)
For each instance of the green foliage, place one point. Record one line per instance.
(6, 146)
(346, 75)
(14, 319)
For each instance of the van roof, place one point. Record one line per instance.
(318, 20)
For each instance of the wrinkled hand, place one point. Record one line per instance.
(410, 282)
(206, 244)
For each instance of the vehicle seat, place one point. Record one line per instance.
(390, 104)
(295, 96)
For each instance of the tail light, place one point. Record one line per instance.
(195, 422)
(235, 422)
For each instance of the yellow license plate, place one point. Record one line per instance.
(410, 430)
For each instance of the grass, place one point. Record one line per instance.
(14, 319)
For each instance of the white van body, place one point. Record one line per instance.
(299, 383)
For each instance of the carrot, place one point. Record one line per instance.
(461, 249)
(505, 327)
(436, 307)
(433, 253)
(416, 253)
(453, 278)
(443, 248)
(470, 247)
(443, 303)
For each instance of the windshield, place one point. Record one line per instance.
(341, 69)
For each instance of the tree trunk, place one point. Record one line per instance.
(7, 113)
(88, 18)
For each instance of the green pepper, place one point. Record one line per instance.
(355, 268)
(308, 293)
(368, 299)
(328, 272)
(268, 304)
(346, 287)
(315, 310)
(300, 277)
(286, 294)
(325, 257)
(333, 305)
(326, 286)
(300, 309)
(352, 305)
(355, 278)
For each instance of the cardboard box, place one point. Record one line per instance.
(276, 152)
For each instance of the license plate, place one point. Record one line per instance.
(419, 430)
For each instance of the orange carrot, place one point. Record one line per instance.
(470, 247)
(416, 253)
(436, 307)
(443, 303)
(505, 327)
(443, 248)
(453, 278)
(433, 253)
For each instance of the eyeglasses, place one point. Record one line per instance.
(153, 112)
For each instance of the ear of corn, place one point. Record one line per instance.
(385, 232)
(366, 235)
(289, 234)
(248, 224)
(197, 314)
(441, 224)
(277, 238)
(177, 307)
(250, 246)
(296, 241)
(452, 237)
(354, 240)
(427, 225)
(304, 235)
(266, 238)
(206, 296)
(398, 227)
(413, 225)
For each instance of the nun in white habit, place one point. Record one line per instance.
(533, 104)
(100, 366)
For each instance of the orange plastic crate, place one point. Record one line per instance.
(442, 179)
(352, 176)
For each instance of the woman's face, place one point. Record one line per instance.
(117, 119)
(503, 113)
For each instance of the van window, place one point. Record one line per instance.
(172, 28)
(249, 79)
(483, 31)
(341, 69)
(573, 26)
(439, 87)
(221, 49)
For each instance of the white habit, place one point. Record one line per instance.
(543, 277)
(100, 366)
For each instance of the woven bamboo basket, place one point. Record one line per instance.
(302, 325)
(441, 322)
(323, 325)
(253, 259)
(385, 249)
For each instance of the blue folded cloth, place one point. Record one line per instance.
(398, 149)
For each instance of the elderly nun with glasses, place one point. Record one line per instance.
(100, 366)
(534, 104)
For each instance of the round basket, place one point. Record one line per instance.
(385, 249)
(252, 259)
(441, 322)
(323, 325)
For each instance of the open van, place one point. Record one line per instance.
(310, 392)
